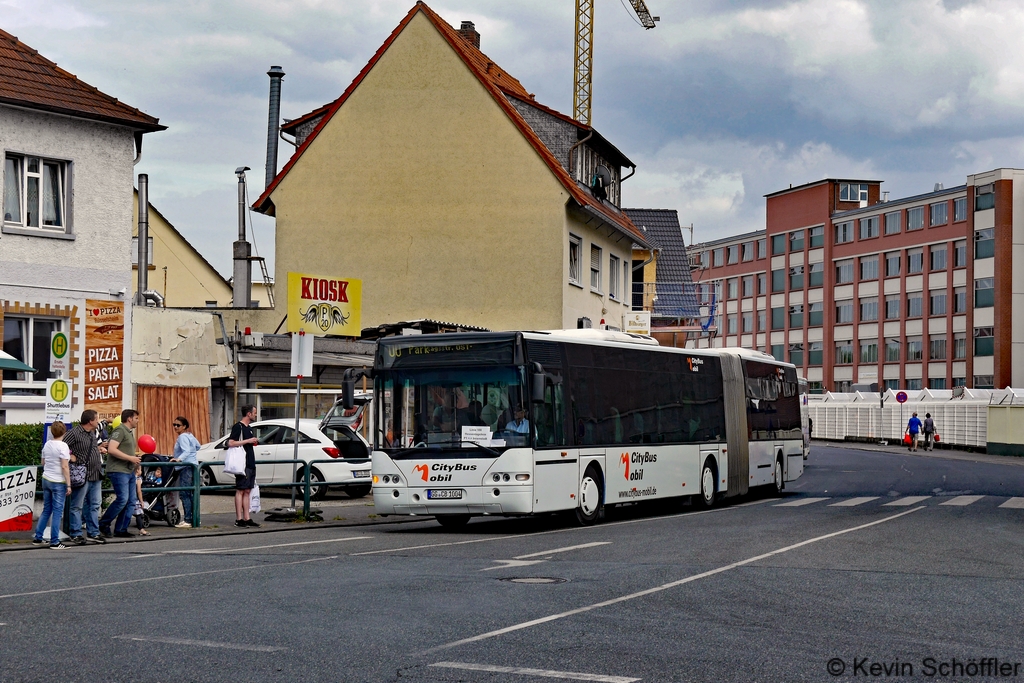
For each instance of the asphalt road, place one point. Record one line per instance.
(759, 589)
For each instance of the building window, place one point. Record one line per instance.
(748, 251)
(869, 352)
(844, 272)
(960, 254)
(796, 277)
(816, 313)
(913, 385)
(705, 259)
(960, 300)
(984, 341)
(613, 277)
(762, 283)
(938, 257)
(814, 351)
(595, 268)
(719, 257)
(984, 198)
(796, 240)
(892, 264)
(575, 254)
(960, 209)
(892, 306)
(748, 285)
(869, 268)
(959, 381)
(816, 274)
(732, 287)
(939, 214)
(985, 243)
(28, 340)
(211, 304)
(985, 292)
(915, 305)
(748, 322)
(778, 244)
(135, 251)
(915, 350)
(816, 236)
(779, 352)
(761, 321)
(937, 302)
(853, 192)
(844, 232)
(844, 352)
(937, 383)
(869, 309)
(761, 248)
(778, 318)
(731, 322)
(868, 227)
(937, 347)
(844, 311)
(796, 316)
(892, 350)
(732, 254)
(893, 384)
(959, 346)
(35, 192)
(778, 280)
(984, 381)
(915, 218)
(915, 261)
(796, 354)
(892, 223)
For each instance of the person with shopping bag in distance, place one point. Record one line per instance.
(242, 437)
(913, 432)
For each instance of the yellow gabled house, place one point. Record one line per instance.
(441, 183)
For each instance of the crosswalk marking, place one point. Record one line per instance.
(798, 503)
(962, 500)
(1017, 503)
(909, 500)
(853, 501)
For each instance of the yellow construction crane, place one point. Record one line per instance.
(585, 53)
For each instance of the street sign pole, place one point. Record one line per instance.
(302, 366)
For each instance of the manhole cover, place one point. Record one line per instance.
(534, 579)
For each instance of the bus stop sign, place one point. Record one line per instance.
(901, 397)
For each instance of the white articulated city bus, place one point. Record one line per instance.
(521, 423)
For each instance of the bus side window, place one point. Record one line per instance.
(549, 417)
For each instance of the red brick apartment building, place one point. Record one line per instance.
(852, 288)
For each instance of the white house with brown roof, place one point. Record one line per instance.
(439, 181)
(65, 236)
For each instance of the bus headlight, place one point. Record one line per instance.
(506, 477)
(496, 477)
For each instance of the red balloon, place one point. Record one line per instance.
(147, 443)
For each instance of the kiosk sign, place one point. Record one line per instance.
(323, 305)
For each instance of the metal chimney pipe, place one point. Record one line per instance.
(143, 284)
(241, 284)
(276, 74)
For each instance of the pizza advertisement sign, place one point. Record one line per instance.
(17, 494)
(104, 357)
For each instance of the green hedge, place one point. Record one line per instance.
(20, 444)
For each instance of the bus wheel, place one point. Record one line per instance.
(452, 521)
(708, 488)
(779, 481)
(591, 498)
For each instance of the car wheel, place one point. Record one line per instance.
(173, 517)
(317, 491)
(452, 521)
(358, 491)
(591, 497)
(708, 485)
(779, 481)
(206, 477)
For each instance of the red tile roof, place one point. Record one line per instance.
(498, 82)
(27, 79)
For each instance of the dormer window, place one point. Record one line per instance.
(853, 192)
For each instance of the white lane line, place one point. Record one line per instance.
(664, 586)
(962, 500)
(1014, 503)
(505, 564)
(204, 643)
(136, 557)
(906, 502)
(853, 501)
(161, 578)
(275, 545)
(798, 503)
(563, 550)
(543, 673)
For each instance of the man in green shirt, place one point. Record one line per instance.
(121, 464)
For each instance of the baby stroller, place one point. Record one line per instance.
(158, 503)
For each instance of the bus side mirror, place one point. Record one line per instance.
(348, 394)
(537, 383)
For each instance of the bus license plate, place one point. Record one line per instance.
(437, 494)
(360, 473)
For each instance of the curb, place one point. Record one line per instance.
(944, 454)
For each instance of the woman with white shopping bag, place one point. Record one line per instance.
(242, 437)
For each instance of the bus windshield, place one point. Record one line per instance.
(452, 409)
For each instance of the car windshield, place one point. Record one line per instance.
(452, 409)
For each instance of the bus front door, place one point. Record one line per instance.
(555, 479)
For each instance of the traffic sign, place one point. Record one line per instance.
(901, 397)
(59, 349)
(58, 400)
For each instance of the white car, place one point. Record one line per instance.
(317, 441)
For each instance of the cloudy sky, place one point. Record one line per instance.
(722, 103)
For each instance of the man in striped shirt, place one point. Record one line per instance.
(85, 449)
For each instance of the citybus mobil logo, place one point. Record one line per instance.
(441, 471)
(694, 363)
(630, 460)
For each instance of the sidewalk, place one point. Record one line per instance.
(942, 454)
